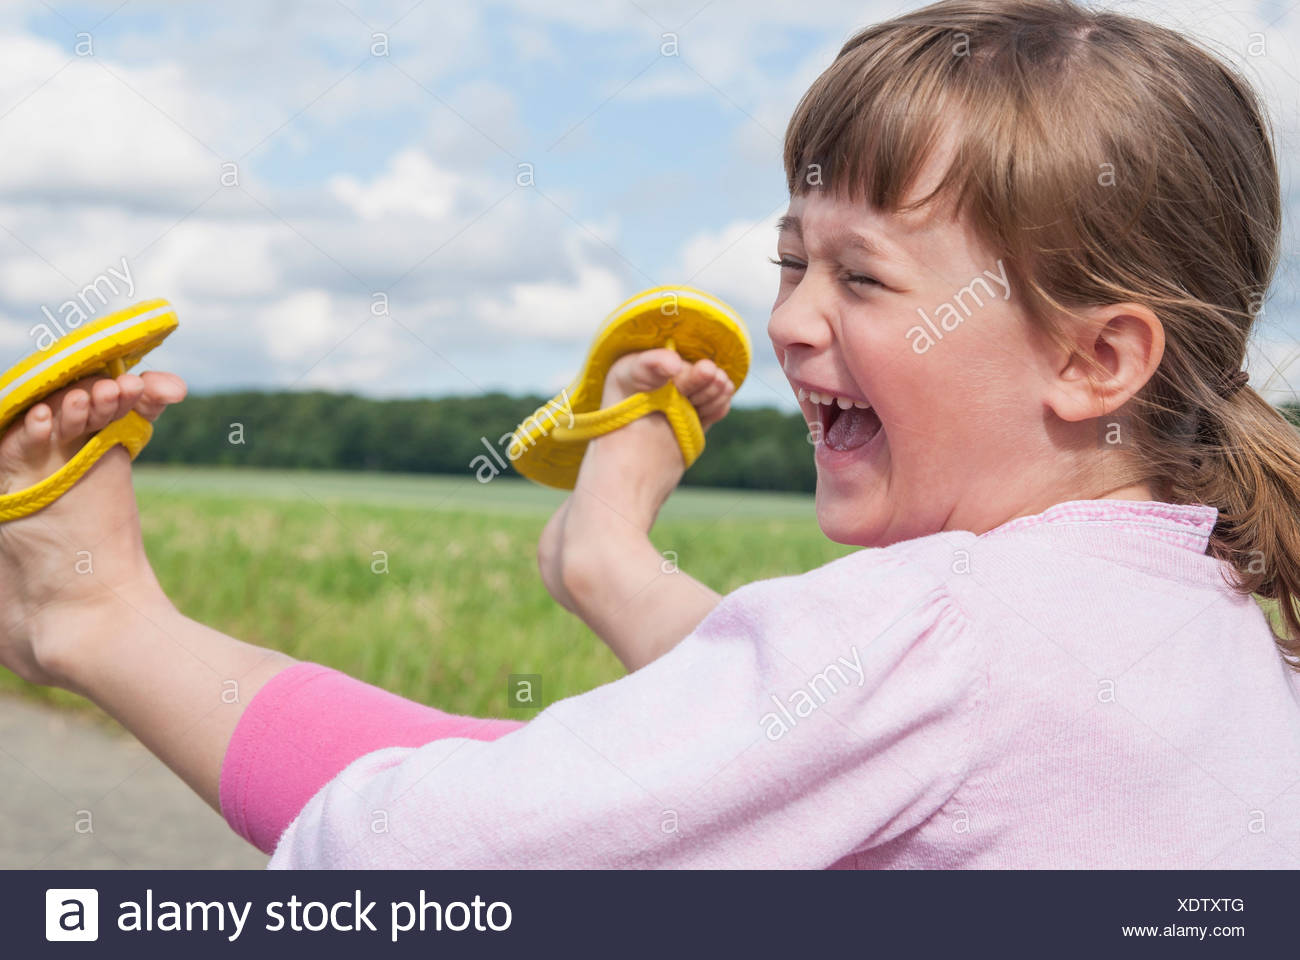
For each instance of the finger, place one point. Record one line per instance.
(725, 385)
(656, 367)
(129, 389)
(38, 425)
(693, 377)
(103, 404)
(718, 405)
(160, 390)
(707, 394)
(715, 411)
(712, 386)
(73, 413)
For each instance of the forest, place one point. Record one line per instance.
(752, 448)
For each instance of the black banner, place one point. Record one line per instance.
(652, 914)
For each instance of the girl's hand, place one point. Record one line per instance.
(595, 553)
(635, 468)
(703, 383)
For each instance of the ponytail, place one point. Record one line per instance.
(1247, 463)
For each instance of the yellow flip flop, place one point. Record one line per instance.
(548, 446)
(111, 346)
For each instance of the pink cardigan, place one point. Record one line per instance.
(1078, 688)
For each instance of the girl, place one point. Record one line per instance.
(1024, 249)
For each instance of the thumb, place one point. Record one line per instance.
(654, 368)
(664, 363)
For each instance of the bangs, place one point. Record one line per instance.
(878, 116)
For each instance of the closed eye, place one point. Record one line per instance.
(863, 279)
(858, 278)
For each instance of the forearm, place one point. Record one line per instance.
(178, 686)
(597, 558)
(634, 598)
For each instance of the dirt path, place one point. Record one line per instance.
(79, 793)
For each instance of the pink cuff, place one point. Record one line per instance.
(304, 727)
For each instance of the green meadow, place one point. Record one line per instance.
(424, 585)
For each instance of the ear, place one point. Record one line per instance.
(1109, 356)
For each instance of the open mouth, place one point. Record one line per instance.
(846, 424)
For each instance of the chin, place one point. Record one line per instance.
(859, 523)
(843, 523)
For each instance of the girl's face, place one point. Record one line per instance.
(919, 375)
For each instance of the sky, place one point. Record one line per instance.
(424, 198)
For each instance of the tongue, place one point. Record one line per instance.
(852, 428)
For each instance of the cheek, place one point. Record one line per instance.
(908, 390)
(972, 396)
(951, 399)
(877, 354)
(935, 405)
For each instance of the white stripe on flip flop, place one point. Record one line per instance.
(80, 345)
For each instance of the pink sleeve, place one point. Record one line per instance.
(306, 725)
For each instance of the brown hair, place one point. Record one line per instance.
(1108, 160)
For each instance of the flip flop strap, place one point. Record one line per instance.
(132, 431)
(667, 400)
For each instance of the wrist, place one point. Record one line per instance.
(613, 494)
(74, 641)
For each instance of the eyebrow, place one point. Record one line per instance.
(848, 239)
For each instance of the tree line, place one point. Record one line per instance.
(752, 448)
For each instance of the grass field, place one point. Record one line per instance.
(288, 560)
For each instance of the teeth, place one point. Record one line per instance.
(828, 399)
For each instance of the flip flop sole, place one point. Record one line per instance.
(111, 345)
(548, 450)
(126, 336)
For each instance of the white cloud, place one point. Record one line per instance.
(302, 325)
(555, 309)
(732, 264)
(84, 134)
(214, 259)
(412, 186)
(532, 41)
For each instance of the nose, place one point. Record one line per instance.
(800, 322)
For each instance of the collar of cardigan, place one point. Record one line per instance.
(1186, 524)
